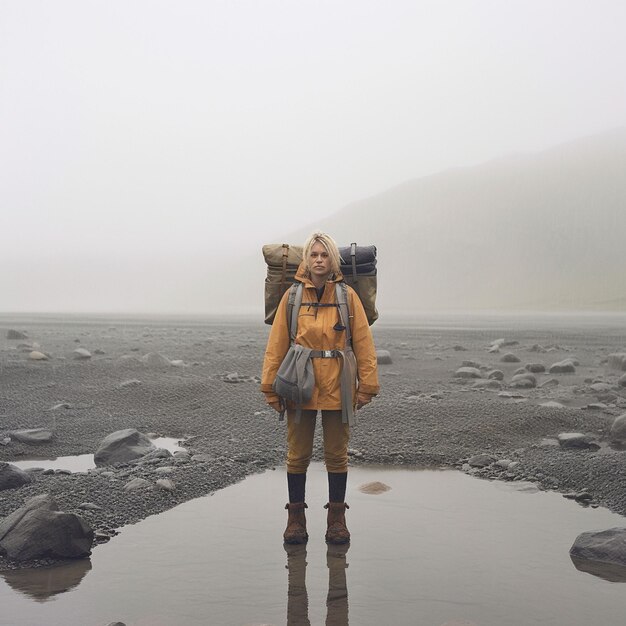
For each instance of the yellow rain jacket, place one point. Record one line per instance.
(316, 331)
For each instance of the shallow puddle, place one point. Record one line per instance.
(439, 548)
(83, 462)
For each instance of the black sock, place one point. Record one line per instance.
(337, 486)
(296, 484)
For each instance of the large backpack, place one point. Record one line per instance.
(358, 266)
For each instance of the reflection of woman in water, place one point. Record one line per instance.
(321, 328)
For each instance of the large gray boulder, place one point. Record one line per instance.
(39, 529)
(602, 553)
(12, 477)
(123, 446)
(32, 435)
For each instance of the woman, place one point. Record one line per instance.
(320, 328)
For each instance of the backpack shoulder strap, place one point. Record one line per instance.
(341, 291)
(293, 310)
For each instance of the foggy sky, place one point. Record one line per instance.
(141, 140)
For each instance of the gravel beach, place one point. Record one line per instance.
(197, 380)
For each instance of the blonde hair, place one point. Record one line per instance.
(331, 247)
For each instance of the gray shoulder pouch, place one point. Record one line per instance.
(295, 379)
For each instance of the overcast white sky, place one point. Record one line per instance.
(162, 128)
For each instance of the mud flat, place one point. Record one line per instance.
(197, 380)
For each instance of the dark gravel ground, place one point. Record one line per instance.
(423, 417)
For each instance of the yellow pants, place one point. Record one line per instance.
(300, 441)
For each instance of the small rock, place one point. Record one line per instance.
(133, 382)
(137, 483)
(202, 457)
(16, 334)
(487, 384)
(495, 374)
(504, 463)
(471, 364)
(165, 484)
(32, 435)
(536, 368)
(12, 477)
(550, 382)
(509, 357)
(577, 441)
(481, 460)
(511, 394)
(551, 404)
(563, 367)
(81, 353)
(89, 506)
(35, 355)
(155, 360)
(383, 357)
(617, 433)
(524, 381)
(622, 381)
(123, 446)
(459, 348)
(467, 372)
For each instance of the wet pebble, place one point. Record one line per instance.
(481, 460)
(577, 441)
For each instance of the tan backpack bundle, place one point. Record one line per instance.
(358, 266)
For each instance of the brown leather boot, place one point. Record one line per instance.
(296, 523)
(337, 531)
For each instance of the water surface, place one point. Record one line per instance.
(438, 548)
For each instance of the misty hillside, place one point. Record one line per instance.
(538, 231)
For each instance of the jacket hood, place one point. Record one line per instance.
(301, 276)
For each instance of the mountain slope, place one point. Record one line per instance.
(535, 231)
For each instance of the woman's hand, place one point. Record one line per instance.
(362, 399)
(276, 406)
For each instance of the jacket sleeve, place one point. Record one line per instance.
(363, 346)
(277, 346)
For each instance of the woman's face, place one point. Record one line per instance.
(319, 260)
